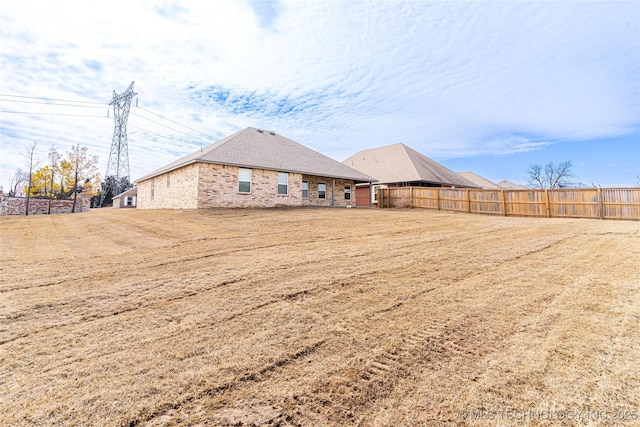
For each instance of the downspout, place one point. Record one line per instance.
(333, 191)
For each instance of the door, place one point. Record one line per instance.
(363, 196)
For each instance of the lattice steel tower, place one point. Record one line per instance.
(118, 165)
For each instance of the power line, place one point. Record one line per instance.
(54, 105)
(51, 114)
(161, 136)
(161, 124)
(173, 121)
(58, 102)
(51, 99)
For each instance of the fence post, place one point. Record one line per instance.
(546, 200)
(438, 196)
(600, 213)
(468, 201)
(411, 197)
(503, 203)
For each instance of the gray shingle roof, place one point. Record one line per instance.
(399, 163)
(479, 180)
(262, 149)
(130, 192)
(508, 185)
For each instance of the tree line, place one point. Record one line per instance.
(63, 176)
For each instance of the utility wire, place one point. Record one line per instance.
(50, 99)
(170, 138)
(71, 103)
(173, 121)
(161, 124)
(50, 114)
(157, 134)
(55, 105)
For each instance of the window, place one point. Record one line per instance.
(283, 183)
(376, 188)
(153, 188)
(305, 189)
(129, 201)
(244, 180)
(322, 190)
(347, 192)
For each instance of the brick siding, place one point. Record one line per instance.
(204, 185)
(18, 205)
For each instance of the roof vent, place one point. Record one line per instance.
(260, 130)
(273, 133)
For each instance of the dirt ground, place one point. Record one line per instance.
(318, 317)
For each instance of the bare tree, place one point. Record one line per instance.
(18, 180)
(636, 183)
(29, 152)
(551, 175)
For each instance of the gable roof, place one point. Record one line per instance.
(130, 192)
(479, 180)
(399, 163)
(508, 185)
(261, 149)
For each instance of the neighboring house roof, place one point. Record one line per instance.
(261, 149)
(129, 193)
(479, 180)
(508, 185)
(399, 163)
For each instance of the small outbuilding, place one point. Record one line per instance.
(251, 168)
(126, 199)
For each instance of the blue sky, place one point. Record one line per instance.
(488, 87)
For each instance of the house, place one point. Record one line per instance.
(251, 168)
(126, 199)
(398, 165)
(505, 184)
(480, 181)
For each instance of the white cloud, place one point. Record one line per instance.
(447, 78)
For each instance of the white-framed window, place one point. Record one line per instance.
(376, 188)
(129, 201)
(322, 190)
(283, 183)
(244, 180)
(305, 189)
(347, 191)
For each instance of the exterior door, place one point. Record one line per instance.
(363, 196)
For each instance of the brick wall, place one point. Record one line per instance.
(18, 205)
(204, 185)
(218, 187)
(339, 199)
(172, 190)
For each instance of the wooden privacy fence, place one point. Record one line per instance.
(598, 203)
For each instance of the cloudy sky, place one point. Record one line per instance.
(490, 87)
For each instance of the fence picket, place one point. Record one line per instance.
(605, 203)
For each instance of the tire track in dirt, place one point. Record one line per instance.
(438, 344)
(165, 299)
(217, 389)
(95, 317)
(343, 401)
(453, 281)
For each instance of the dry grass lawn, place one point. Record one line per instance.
(318, 317)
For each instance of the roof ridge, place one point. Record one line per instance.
(407, 150)
(259, 148)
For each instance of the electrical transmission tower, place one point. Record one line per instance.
(118, 165)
